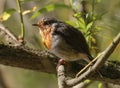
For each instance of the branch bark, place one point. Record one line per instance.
(61, 77)
(24, 57)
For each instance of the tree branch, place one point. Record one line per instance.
(108, 51)
(43, 61)
(8, 37)
(61, 77)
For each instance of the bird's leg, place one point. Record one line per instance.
(61, 62)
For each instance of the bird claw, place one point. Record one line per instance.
(61, 62)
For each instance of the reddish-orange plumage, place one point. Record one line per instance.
(45, 34)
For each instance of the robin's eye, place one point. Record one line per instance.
(46, 23)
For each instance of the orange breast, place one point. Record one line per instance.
(48, 42)
(47, 38)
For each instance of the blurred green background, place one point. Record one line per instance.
(109, 24)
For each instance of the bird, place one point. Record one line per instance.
(63, 40)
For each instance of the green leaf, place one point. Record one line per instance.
(93, 40)
(7, 14)
(100, 85)
(87, 81)
(82, 23)
(29, 11)
(89, 25)
(71, 23)
(77, 15)
(49, 8)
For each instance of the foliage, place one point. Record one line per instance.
(86, 19)
(7, 14)
(49, 8)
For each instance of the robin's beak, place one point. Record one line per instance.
(35, 25)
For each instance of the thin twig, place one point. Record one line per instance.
(107, 52)
(8, 36)
(21, 18)
(6, 31)
(87, 66)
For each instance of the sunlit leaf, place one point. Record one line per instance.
(100, 85)
(29, 11)
(89, 25)
(82, 23)
(87, 81)
(49, 8)
(26, 12)
(77, 15)
(7, 14)
(93, 39)
(71, 23)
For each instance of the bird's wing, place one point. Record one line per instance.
(73, 37)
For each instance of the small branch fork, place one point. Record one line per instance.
(63, 81)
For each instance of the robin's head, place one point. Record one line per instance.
(46, 28)
(44, 23)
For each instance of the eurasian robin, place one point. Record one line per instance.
(63, 40)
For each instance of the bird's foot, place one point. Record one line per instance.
(61, 62)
